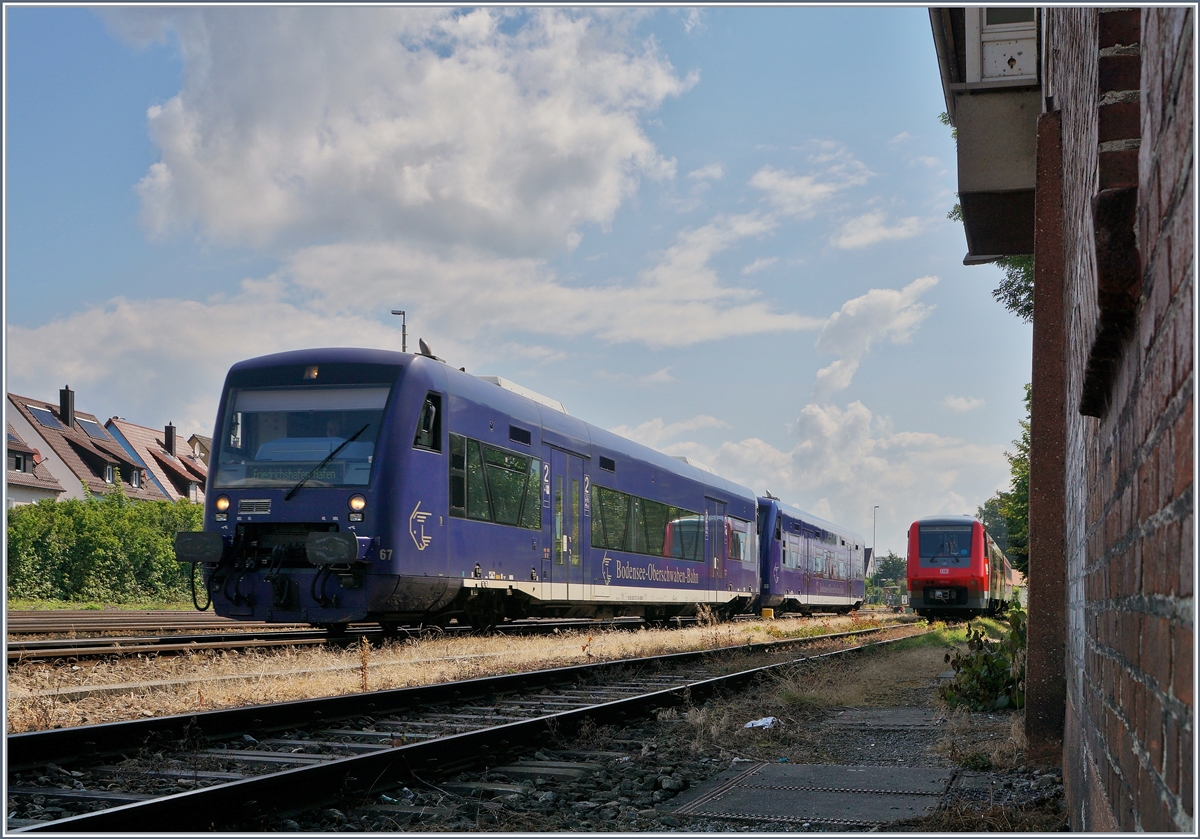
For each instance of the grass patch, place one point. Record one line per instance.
(967, 818)
(23, 605)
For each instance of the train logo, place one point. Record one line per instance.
(604, 568)
(417, 522)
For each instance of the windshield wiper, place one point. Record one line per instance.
(328, 458)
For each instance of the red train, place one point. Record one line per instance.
(955, 569)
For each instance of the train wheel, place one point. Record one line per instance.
(335, 630)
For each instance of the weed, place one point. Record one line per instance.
(990, 675)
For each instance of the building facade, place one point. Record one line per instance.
(1110, 685)
(27, 479)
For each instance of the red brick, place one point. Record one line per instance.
(1171, 761)
(1181, 664)
(1153, 813)
(1184, 339)
(1118, 169)
(1156, 650)
(1120, 121)
(1147, 491)
(1186, 552)
(1153, 731)
(1120, 28)
(1185, 769)
(1119, 72)
(1181, 434)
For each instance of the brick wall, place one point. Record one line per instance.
(1129, 472)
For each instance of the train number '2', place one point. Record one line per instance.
(546, 484)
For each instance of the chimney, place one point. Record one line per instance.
(66, 406)
(169, 439)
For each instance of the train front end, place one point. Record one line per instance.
(295, 510)
(948, 572)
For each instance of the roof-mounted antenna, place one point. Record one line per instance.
(425, 348)
(772, 497)
(403, 329)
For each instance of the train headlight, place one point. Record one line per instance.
(222, 503)
(357, 503)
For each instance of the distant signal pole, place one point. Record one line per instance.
(403, 330)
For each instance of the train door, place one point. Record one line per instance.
(566, 521)
(714, 515)
(806, 565)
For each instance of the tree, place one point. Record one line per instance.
(890, 570)
(1013, 506)
(1015, 291)
(993, 521)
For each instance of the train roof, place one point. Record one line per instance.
(947, 520)
(809, 518)
(484, 389)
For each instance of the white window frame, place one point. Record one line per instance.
(978, 31)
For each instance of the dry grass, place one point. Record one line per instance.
(966, 818)
(807, 692)
(277, 675)
(983, 741)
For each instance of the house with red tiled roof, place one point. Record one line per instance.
(76, 449)
(173, 468)
(28, 480)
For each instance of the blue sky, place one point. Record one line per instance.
(719, 231)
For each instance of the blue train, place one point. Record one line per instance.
(353, 484)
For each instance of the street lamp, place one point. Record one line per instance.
(873, 545)
(403, 330)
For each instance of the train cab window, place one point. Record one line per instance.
(458, 476)
(429, 424)
(739, 539)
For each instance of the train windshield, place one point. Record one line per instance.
(274, 437)
(945, 545)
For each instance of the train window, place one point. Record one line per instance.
(531, 512)
(490, 484)
(739, 539)
(608, 464)
(520, 435)
(458, 476)
(429, 424)
(477, 494)
(506, 478)
(625, 522)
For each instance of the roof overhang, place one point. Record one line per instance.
(996, 122)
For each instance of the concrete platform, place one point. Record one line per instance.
(852, 796)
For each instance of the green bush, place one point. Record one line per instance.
(104, 548)
(990, 675)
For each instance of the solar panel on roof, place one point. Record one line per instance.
(92, 429)
(44, 417)
(12, 438)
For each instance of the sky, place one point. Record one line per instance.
(720, 232)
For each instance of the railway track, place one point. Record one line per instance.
(209, 633)
(241, 768)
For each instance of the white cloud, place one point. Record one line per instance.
(161, 360)
(711, 172)
(872, 228)
(658, 377)
(805, 195)
(931, 162)
(881, 313)
(846, 460)
(900, 138)
(297, 126)
(961, 404)
(759, 264)
(655, 432)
